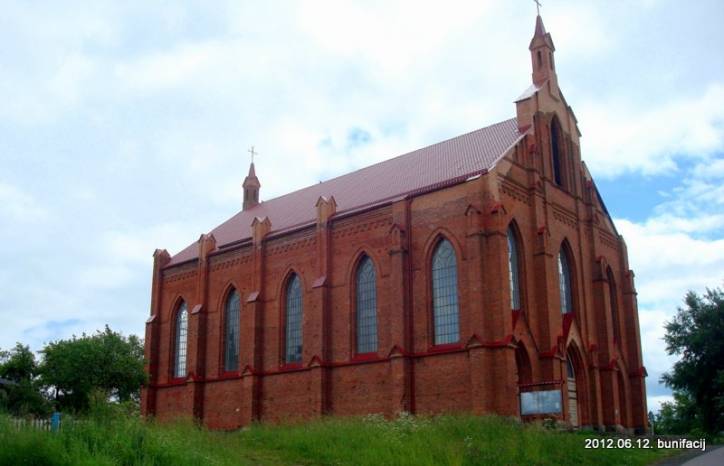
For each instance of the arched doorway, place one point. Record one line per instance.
(572, 392)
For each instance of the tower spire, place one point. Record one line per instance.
(251, 184)
(541, 53)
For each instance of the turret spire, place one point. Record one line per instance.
(541, 53)
(251, 185)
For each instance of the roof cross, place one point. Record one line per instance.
(537, 6)
(253, 153)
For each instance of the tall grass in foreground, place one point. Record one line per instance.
(408, 440)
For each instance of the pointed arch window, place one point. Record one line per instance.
(564, 281)
(181, 325)
(232, 312)
(556, 152)
(613, 295)
(366, 306)
(445, 294)
(293, 321)
(513, 268)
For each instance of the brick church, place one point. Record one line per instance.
(481, 274)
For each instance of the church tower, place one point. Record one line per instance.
(541, 53)
(251, 188)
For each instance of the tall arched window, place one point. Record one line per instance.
(613, 295)
(181, 327)
(293, 321)
(231, 331)
(564, 281)
(513, 268)
(556, 152)
(445, 294)
(366, 294)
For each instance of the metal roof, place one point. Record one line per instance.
(438, 164)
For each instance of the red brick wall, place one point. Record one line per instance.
(478, 374)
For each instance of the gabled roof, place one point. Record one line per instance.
(433, 166)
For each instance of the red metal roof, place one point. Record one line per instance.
(438, 164)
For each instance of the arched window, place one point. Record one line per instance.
(613, 295)
(556, 152)
(564, 281)
(445, 294)
(182, 326)
(513, 268)
(293, 321)
(366, 294)
(231, 331)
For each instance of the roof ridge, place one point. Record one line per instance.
(366, 167)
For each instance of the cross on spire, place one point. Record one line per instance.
(537, 6)
(253, 153)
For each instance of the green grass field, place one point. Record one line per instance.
(444, 440)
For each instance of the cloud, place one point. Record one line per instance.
(623, 137)
(654, 402)
(679, 247)
(19, 207)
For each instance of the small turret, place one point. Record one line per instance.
(541, 53)
(251, 189)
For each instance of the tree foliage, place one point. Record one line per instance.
(696, 334)
(678, 417)
(107, 361)
(21, 395)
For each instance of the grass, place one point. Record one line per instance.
(408, 440)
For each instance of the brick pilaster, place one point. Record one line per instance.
(151, 350)
(197, 326)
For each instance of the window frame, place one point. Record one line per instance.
(292, 278)
(557, 153)
(436, 334)
(232, 291)
(565, 270)
(176, 356)
(363, 261)
(514, 275)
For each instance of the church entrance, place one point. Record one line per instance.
(572, 393)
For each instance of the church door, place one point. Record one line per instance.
(572, 394)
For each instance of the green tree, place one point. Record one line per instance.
(22, 395)
(678, 417)
(107, 361)
(696, 334)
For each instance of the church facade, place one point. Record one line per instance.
(482, 274)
